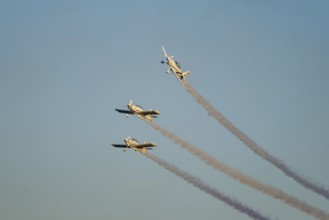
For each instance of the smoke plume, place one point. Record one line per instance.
(243, 178)
(252, 145)
(202, 186)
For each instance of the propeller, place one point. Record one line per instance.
(129, 106)
(126, 139)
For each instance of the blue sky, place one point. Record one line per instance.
(65, 66)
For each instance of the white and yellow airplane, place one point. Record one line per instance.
(139, 112)
(174, 66)
(134, 144)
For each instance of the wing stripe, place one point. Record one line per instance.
(120, 145)
(124, 111)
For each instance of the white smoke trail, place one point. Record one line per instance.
(202, 186)
(253, 146)
(243, 178)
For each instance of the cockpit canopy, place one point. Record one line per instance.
(133, 139)
(177, 64)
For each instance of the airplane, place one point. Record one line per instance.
(139, 112)
(174, 66)
(134, 144)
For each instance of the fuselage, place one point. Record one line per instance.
(135, 109)
(131, 142)
(173, 66)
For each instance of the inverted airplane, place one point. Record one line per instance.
(139, 112)
(174, 66)
(134, 144)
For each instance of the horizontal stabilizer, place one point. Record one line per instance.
(186, 73)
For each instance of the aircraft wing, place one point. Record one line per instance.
(164, 52)
(145, 145)
(149, 112)
(120, 145)
(124, 111)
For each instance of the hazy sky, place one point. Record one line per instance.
(65, 66)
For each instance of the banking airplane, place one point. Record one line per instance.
(174, 66)
(139, 112)
(134, 144)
